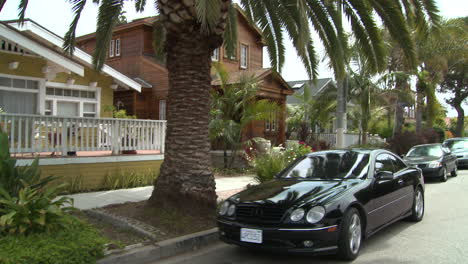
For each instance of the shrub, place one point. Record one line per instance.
(33, 210)
(267, 165)
(401, 143)
(79, 243)
(12, 176)
(129, 179)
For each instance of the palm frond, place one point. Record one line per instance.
(69, 38)
(159, 40)
(23, 5)
(140, 5)
(2, 3)
(108, 15)
(208, 14)
(393, 19)
(230, 34)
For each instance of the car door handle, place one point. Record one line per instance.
(400, 181)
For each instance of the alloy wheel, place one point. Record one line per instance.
(355, 234)
(419, 204)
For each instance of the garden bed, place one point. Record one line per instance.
(167, 223)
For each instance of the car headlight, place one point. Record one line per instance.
(434, 164)
(224, 208)
(315, 214)
(297, 215)
(231, 210)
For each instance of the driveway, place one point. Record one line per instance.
(442, 237)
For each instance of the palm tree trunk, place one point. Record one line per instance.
(419, 110)
(186, 178)
(399, 117)
(460, 120)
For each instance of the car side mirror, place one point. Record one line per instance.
(384, 176)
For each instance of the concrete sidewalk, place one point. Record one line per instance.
(225, 187)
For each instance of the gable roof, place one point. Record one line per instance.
(235, 77)
(148, 21)
(43, 42)
(316, 87)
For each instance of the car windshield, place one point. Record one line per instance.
(330, 165)
(457, 144)
(425, 151)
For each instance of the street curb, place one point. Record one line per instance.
(167, 248)
(122, 222)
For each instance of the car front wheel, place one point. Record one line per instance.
(417, 212)
(350, 237)
(443, 177)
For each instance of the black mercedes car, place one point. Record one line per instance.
(459, 147)
(435, 160)
(325, 202)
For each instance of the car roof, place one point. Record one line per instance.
(457, 138)
(364, 151)
(427, 145)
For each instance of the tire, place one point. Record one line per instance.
(443, 177)
(417, 211)
(350, 238)
(455, 171)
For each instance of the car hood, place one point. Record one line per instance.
(420, 159)
(290, 192)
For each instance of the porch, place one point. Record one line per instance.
(52, 136)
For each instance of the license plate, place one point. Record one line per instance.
(251, 235)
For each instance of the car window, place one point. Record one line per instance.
(457, 144)
(424, 151)
(330, 165)
(397, 163)
(384, 162)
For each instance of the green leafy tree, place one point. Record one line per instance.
(455, 81)
(192, 29)
(234, 107)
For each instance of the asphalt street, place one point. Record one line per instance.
(441, 237)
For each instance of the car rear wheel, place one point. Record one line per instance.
(417, 212)
(443, 177)
(350, 238)
(455, 171)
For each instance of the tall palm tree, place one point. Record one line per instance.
(192, 29)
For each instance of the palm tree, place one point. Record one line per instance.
(234, 107)
(192, 29)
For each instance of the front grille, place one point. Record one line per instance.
(460, 156)
(256, 213)
(422, 166)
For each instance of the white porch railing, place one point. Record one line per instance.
(34, 133)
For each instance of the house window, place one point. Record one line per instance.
(112, 48)
(244, 56)
(19, 96)
(89, 110)
(162, 109)
(215, 55)
(80, 101)
(117, 47)
(233, 56)
(271, 124)
(48, 107)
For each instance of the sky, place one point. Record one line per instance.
(56, 16)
